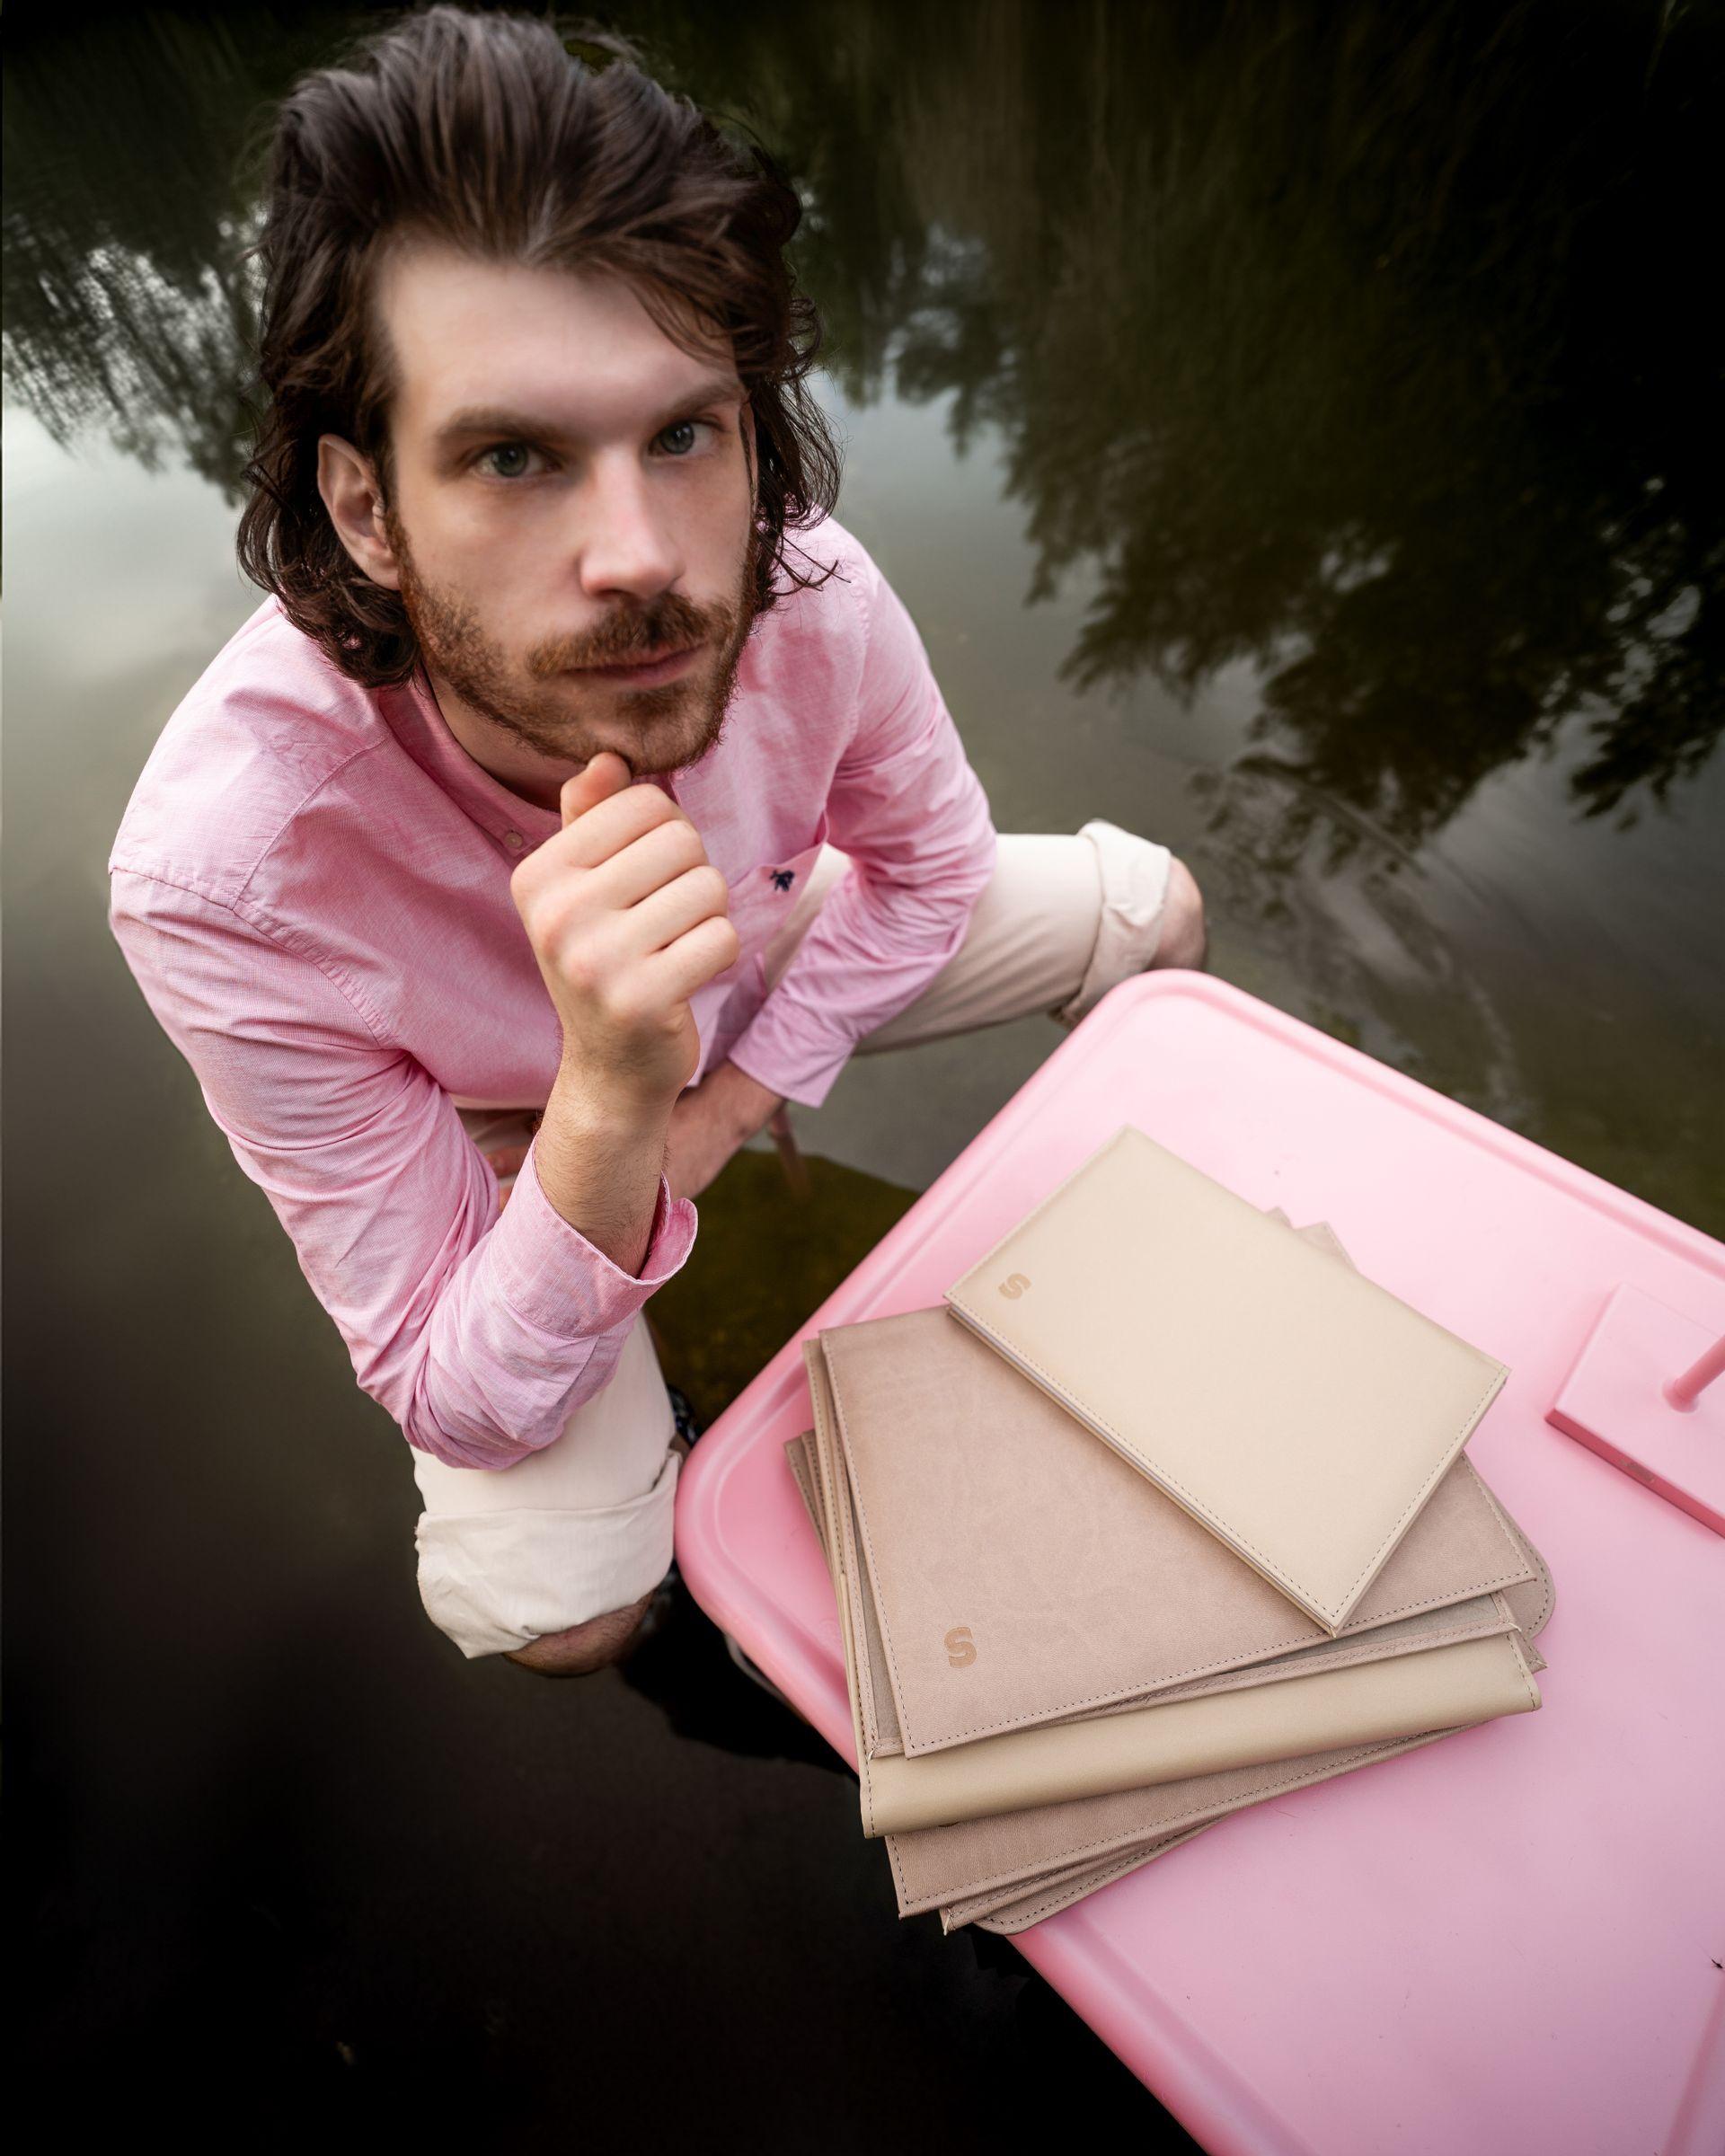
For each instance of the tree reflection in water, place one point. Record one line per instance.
(1370, 348)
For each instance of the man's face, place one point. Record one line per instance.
(571, 493)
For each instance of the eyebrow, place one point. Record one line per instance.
(497, 420)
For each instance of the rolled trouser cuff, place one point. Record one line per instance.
(1135, 874)
(498, 1580)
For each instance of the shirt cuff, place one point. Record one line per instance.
(567, 1285)
(767, 1050)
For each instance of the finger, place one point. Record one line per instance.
(602, 830)
(708, 949)
(646, 864)
(675, 908)
(600, 776)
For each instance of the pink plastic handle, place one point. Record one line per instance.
(1684, 1391)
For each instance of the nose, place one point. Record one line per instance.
(628, 543)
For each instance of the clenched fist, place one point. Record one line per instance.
(627, 918)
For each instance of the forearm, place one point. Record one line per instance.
(741, 1105)
(599, 1161)
(871, 950)
(711, 1121)
(478, 1331)
(530, 1325)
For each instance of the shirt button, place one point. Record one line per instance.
(514, 841)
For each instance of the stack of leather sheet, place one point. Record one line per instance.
(1164, 1510)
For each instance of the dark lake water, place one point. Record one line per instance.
(1295, 430)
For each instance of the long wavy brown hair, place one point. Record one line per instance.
(533, 140)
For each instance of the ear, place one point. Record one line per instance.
(355, 502)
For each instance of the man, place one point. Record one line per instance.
(557, 801)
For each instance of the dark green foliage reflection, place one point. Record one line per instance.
(1369, 346)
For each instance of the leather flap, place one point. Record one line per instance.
(1301, 1411)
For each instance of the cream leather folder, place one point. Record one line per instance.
(1008, 1873)
(1471, 1680)
(1008, 1870)
(1022, 1573)
(1299, 1412)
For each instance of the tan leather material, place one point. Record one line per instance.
(1531, 1598)
(1008, 1857)
(1471, 1681)
(1009, 1854)
(1007, 1870)
(1039, 1841)
(1016, 1909)
(871, 1700)
(1010, 1557)
(1531, 1601)
(797, 1453)
(1477, 1618)
(1299, 1411)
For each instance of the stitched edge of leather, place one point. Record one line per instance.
(1330, 1616)
(1518, 1540)
(1065, 1395)
(1352, 1655)
(1511, 1639)
(921, 1747)
(827, 1456)
(995, 1919)
(955, 1889)
(1476, 1629)
(993, 1915)
(865, 1787)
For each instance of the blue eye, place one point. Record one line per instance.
(506, 449)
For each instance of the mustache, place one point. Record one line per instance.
(670, 623)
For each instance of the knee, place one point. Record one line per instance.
(1184, 938)
(584, 1648)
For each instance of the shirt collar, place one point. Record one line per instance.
(413, 713)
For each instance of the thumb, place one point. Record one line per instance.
(605, 774)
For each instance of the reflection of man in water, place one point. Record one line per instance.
(580, 793)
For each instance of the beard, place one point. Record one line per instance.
(659, 728)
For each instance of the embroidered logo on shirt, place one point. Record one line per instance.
(783, 879)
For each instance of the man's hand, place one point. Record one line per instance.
(627, 918)
(709, 1121)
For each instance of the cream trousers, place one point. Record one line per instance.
(507, 1555)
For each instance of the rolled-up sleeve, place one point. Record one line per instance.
(910, 812)
(479, 1332)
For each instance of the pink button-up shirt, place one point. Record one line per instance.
(311, 885)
